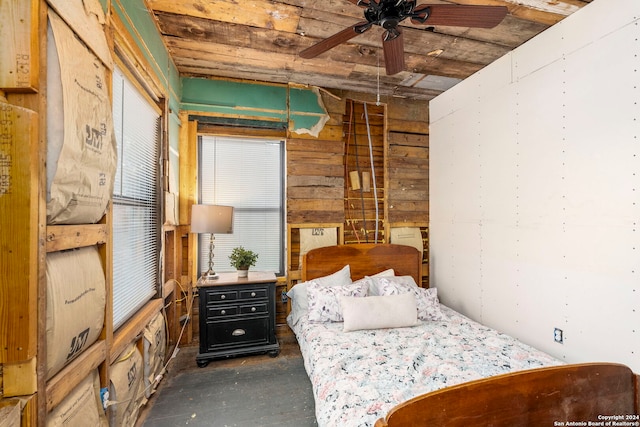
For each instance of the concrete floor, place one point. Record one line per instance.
(250, 391)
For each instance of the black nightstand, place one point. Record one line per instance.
(237, 316)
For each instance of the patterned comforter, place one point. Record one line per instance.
(359, 376)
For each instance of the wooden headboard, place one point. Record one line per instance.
(364, 259)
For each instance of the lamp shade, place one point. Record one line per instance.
(212, 219)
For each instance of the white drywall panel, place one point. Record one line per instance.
(538, 157)
(574, 33)
(495, 127)
(459, 234)
(519, 297)
(535, 189)
(459, 169)
(458, 267)
(484, 83)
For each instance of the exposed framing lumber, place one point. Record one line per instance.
(71, 375)
(133, 328)
(19, 162)
(61, 237)
(19, 379)
(19, 66)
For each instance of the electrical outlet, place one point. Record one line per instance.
(284, 297)
(558, 335)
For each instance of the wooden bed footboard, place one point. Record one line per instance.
(594, 393)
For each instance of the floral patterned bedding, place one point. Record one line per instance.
(359, 376)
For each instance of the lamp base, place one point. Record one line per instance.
(209, 275)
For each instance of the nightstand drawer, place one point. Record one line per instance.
(254, 308)
(218, 311)
(216, 296)
(253, 294)
(222, 311)
(237, 333)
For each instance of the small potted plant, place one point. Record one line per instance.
(242, 259)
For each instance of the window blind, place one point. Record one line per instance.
(248, 175)
(135, 200)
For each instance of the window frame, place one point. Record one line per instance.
(121, 65)
(203, 239)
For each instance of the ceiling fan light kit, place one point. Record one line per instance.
(388, 14)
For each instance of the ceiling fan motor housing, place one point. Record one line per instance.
(389, 13)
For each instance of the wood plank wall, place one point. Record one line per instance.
(316, 178)
(317, 173)
(364, 191)
(408, 178)
(318, 186)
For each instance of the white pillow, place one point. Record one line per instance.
(324, 301)
(372, 283)
(298, 294)
(428, 304)
(386, 273)
(376, 312)
(366, 280)
(378, 280)
(426, 299)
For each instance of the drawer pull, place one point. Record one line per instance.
(223, 311)
(253, 309)
(253, 294)
(238, 332)
(223, 296)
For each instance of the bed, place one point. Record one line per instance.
(433, 366)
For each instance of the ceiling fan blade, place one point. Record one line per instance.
(333, 41)
(393, 48)
(458, 15)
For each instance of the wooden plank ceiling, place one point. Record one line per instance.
(259, 40)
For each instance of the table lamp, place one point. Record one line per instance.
(212, 219)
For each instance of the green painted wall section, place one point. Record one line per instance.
(305, 100)
(307, 111)
(299, 122)
(223, 96)
(301, 107)
(140, 25)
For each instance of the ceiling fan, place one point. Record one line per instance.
(389, 13)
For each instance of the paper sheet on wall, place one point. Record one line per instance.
(76, 301)
(318, 237)
(82, 407)
(87, 19)
(127, 387)
(410, 236)
(155, 341)
(10, 415)
(81, 151)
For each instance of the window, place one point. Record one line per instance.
(248, 175)
(135, 200)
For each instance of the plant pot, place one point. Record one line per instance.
(243, 272)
